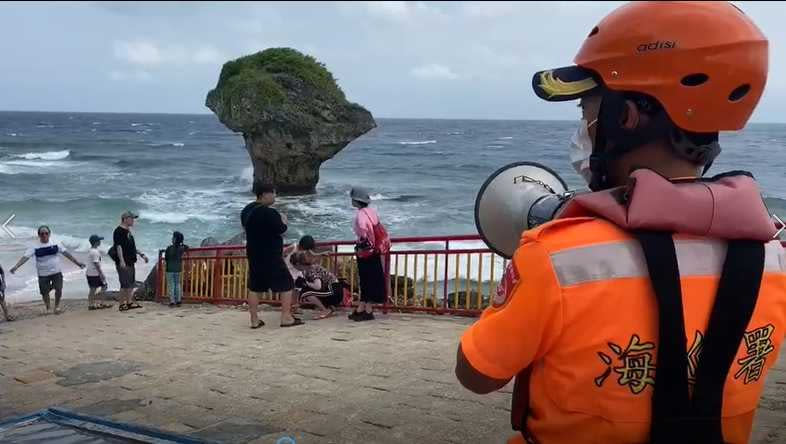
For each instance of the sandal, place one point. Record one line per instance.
(294, 323)
(261, 323)
(133, 305)
(103, 306)
(324, 315)
(123, 307)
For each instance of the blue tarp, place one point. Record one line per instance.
(61, 426)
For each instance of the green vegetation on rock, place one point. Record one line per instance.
(259, 69)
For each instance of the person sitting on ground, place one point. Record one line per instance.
(317, 286)
(174, 268)
(306, 245)
(6, 314)
(96, 280)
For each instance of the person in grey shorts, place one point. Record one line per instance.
(47, 261)
(124, 255)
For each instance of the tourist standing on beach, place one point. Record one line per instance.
(174, 268)
(47, 261)
(6, 314)
(96, 280)
(125, 254)
(267, 271)
(369, 258)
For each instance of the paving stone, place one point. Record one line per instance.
(34, 376)
(96, 371)
(110, 407)
(234, 431)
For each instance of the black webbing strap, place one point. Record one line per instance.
(676, 418)
(670, 401)
(738, 292)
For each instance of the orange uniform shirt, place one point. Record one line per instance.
(583, 314)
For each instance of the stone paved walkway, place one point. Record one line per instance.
(201, 371)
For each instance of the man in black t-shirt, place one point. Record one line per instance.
(264, 248)
(125, 247)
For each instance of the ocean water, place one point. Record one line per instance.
(78, 172)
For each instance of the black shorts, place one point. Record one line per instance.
(49, 283)
(271, 274)
(94, 282)
(126, 276)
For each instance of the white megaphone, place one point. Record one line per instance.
(515, 198)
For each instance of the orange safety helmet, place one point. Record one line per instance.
(705, 62)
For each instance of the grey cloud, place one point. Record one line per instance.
(472, 59)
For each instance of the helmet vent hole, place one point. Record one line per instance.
(593, 32)
(695, 79)
(739, 92)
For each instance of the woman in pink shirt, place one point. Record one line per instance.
(370, 270)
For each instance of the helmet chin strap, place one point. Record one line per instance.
(612, 139)
(610, 115)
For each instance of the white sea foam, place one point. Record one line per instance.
(247, 175)
(177, 207)
(421, 142)
(505, 138)
(47, 155)
(160, 144)
(176, 217)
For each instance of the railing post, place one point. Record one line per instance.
(386, 258)
(445, 283)
(218, 281)
(160, 276)
(335, 259)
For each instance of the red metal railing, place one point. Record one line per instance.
(218, 274)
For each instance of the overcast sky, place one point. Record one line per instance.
(398, 59)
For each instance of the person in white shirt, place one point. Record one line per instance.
(96, 280)
(47, 261)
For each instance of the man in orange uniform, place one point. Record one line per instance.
(591, 314)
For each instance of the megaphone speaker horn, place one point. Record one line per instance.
(515, 198)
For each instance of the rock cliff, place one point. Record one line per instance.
(292, 114)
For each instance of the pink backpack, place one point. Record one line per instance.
(381, 242)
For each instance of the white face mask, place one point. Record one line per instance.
(581, 150)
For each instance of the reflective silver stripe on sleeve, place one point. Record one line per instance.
(617, 260)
